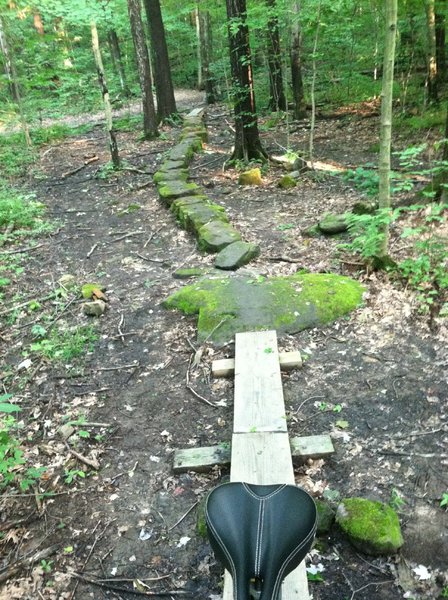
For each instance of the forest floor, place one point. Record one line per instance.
(380, 371)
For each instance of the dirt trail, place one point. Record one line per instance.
(134, 519)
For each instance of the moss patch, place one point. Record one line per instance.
(372, 527)
(287, 182)
(227, 305)
(251, 177)
(170, 190)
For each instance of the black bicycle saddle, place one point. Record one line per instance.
(260, 533)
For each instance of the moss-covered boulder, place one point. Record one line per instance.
(332, 224)
(170, 175)
(195, 130)
(230, 304)
(195, 216)
(216, 235)
(180, 203)
(287, 182)
(325, 516)
(236, 255)
(251, 177)
(184, 150)
(169, 165)
(171, 190)
(189, 272)
(372, 527)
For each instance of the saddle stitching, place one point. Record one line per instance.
(229, 556)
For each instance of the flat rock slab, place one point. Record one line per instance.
(216, 235)
(184, 201)
(236, 255)
(195, 216)
(332, 224)
(171, 190)
(168, 165)
(230, 304)
(170, 175)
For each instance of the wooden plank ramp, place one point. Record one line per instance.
(260, 446)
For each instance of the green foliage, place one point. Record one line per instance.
(396, 501)
(65, 345)
(365, 180)
(367, 232)
(73, 474)
(444, 502)
(12, 460)
(20, 210)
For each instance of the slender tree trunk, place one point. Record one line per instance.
(313, 87)
(277, 92)
(247, 139)
(386, 118)
(166, 104)
(38, 24)
(144, 71)
(113, 146)
(440, 42)
(296, 64)
(11, 74)
(206, 80)
(117, 60)
(432, 79)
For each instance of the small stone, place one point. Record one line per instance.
(216, 235)
(189, 272)
(251, 177)
(332, 224)
(65, 431)
(68, 281)
(287, 182)
(372, 527)
(94, 309)
(364, 208)
(325, 517)
(235, 255)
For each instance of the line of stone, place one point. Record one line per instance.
(192, 208)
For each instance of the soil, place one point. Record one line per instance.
(376, 381)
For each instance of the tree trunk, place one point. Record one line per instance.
(386, 119)
(144, 71)
(113, 147)
(11, 75)
(38, 24)
(117, 60)
(247, 140)
(277, 93)
(440, 42)
(166, 104)
(431, 80)
(206, 80)
(296, 64)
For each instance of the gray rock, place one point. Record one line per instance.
(332, 224)
(426, 540)
(235, 255)
(94, 309)
(170, 175)
(195, 216)
(325, 517)
(216, 235)
(171, 190)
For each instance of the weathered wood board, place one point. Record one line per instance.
(258, 404)
(205, 458)
(225, 367)
(260, 445)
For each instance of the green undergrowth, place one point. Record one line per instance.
(65, 345)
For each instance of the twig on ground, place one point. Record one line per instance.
(140, 187)
(193, 391)
(132, 366)
(92, 250)
(22, 250)
(22, 563)
(135, 170)
(183, 516)
(120, 325)
(307, 400)
(91, 462)
(155, 232)
(283, 259)
(154, 260)
(116, 588)
(126, 236)
(74, 171)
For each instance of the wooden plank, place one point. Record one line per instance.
(311, 446)
(264, 458)
(258, 394)
(225, 367)
(202, 459)
(205, 458)
(196, 112)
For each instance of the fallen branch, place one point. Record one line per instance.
(23, 563)
(117, 588)
(22, 250)
(92, 250)
(127, 235)
(74, 171)
(91, 462)
(155, 232)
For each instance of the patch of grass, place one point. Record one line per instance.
(18, 209)
(428, 120)
(65, 345)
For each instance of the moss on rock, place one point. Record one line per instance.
(372, 527)
(195, 216)
(332, 224)
(171, 190)
(287, 182)
(325, 516)
(180, 203)
(227, 305)
(170, 175)
(251, 177)
(216, 235)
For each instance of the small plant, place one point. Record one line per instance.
(366, 180)
(367, 230)
(396, 500)
(70, 476)
(444, 593)
(66, 345)
(444, 500)
(46, 565)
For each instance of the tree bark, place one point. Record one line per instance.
(166, 104)
(277, 93)
(440, 42)
(144, 71)
(117, 60)
(386, 119)
(431, 79)
(11, 74)
(206, 80)
(296, 64)
(113, 146)
(247, 139)
(38, 24)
